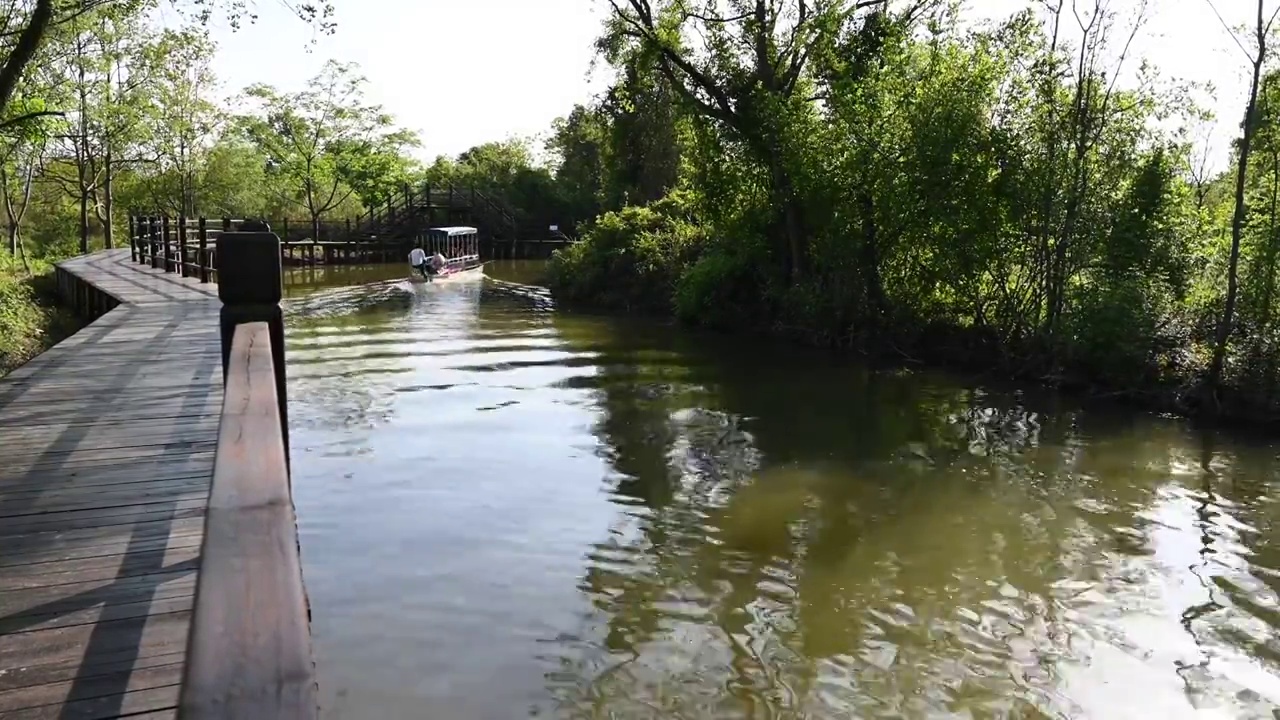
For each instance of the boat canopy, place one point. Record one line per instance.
(454, 230)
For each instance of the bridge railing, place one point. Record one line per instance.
(188, 246)
(249, 650)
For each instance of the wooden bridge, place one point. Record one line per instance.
(382, 234)
(149, 565)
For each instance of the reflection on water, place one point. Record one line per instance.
(509, 511)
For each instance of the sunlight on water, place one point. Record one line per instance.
(509, 511)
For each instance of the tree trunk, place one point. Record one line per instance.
(1225, 325)
(794, 252)
(108, 168)
(870, 253)
(8, 212)
(108, 203)
(24, 50)
(82, 150)
(84, 223)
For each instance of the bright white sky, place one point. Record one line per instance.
(463, 72)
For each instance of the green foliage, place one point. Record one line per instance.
(990, 196)
(631, 260)
(324, 145)
(30, 320)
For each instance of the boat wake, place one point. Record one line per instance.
(356, 299)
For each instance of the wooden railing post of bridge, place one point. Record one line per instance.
(249, 649)
(251, 286)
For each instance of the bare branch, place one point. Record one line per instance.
(1230, 32)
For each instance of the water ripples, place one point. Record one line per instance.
(507, 510)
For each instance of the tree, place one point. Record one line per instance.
(22, 150)
(111, 70)
(379, 170)
(645, 134)
(37, 18)
(319, 140)
(1226, 324)
(580, 144)
(749, 76)
(184, 119)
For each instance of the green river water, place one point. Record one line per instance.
(511, 511)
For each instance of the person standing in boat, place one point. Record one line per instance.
(437, 262)
(418, 261)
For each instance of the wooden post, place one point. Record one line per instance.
(182, 245)
(153, 237)
(203, 258)
(133, 240)
(164, 238)
(251, 286)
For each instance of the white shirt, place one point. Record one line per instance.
(417, 257)
(438, 261)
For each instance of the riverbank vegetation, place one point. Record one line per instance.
(30, 317)
(1023, 197)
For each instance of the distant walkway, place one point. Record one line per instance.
(106, 456)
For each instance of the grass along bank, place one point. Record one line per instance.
(31, 318)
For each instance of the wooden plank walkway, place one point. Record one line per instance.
(106, 455)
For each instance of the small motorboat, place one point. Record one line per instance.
(460, 247)
(450, 274)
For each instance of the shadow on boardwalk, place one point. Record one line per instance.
(109, 441)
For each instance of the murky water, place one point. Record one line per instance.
(508, 511)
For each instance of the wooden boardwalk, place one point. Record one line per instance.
(106, 455)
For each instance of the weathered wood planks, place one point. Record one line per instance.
(250, 649)
(106, 454)
(148, 546)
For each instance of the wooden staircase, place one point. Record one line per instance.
(408, 215)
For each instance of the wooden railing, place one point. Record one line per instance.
(249, 650)
(188, 245)
(181, 245)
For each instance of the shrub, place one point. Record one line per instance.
(30, 320)
(630, 260)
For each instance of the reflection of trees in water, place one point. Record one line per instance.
(801, 539)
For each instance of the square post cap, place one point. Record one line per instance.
(249, 268)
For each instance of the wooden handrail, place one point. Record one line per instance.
(249, 651)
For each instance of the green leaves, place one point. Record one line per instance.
(27, 120)
(325, 144)
(994, 185)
